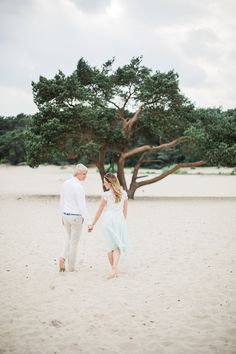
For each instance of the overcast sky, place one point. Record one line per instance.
(196, 38)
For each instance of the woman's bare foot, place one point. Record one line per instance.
(62, 267)
(113, 274)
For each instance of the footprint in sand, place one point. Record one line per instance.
(56, 323)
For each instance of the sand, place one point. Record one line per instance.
(176, 290)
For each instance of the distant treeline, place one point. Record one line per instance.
(12, 140)
(13, 147)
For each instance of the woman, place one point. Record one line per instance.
(114, 205)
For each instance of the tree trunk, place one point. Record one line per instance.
(101, 162)
(121, 172)
(134, 184)
(132, 191)
(101, 170)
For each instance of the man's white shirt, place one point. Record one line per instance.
(72, 199)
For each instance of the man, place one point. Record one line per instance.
(74, 213)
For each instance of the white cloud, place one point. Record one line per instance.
(196, 39)
(92, 6)
(15, 101)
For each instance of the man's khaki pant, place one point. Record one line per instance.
(73, 225)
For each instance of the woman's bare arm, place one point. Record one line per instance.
(125, 209)
(99, 211)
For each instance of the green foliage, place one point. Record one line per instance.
(81, 116)
(214, 136)
(12, 147)
(88, 107)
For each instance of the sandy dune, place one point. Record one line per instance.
(176, 291)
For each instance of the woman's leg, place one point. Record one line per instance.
(110, 257)
(116, 257)
(62, 267)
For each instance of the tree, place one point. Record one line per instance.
(123, 113)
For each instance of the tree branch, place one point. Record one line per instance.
(136, 169)
(166, 146)
(129, 122)
(170, 171)
(114, 104)
(119, 115)
(127, 98)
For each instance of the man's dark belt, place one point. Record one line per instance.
(72, 214)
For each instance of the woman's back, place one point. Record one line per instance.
(111, 204)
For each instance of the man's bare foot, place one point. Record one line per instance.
(62, 267)
(113, 274)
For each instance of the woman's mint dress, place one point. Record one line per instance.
(114, 224)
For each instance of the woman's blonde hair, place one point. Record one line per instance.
(111, 178)
(79, 168)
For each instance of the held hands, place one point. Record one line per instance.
(90, 227)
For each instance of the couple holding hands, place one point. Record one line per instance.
(113, 208)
